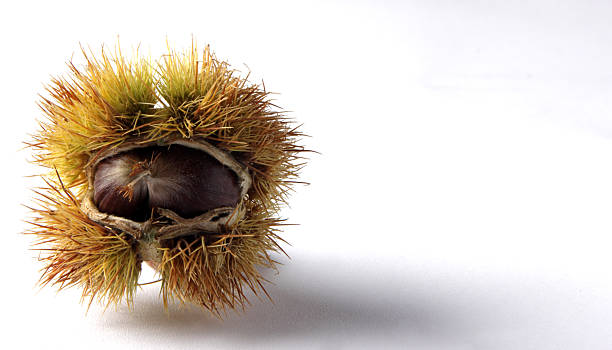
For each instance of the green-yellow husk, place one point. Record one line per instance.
(114, 101)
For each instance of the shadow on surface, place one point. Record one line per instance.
(321, 302)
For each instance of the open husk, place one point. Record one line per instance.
(114, 104)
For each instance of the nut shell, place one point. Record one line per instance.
(185, 180)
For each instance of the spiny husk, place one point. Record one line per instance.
(214, 270)
(81, 252)
(114, 101)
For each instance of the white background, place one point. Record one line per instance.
(461, 199)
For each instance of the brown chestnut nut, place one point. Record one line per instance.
(185, 180)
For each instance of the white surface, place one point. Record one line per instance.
(461, 200)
